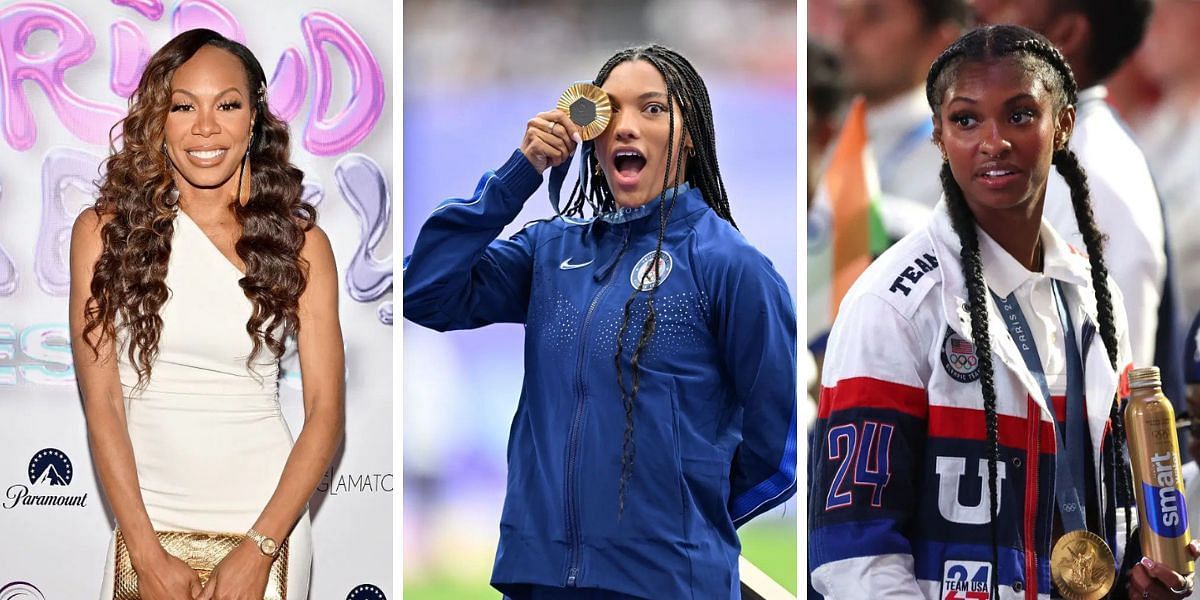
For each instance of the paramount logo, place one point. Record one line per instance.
(18, 495)
(48, 469)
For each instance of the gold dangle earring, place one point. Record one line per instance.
(242, 200)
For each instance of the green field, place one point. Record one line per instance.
(770, 546)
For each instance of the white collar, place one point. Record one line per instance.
(1004, 273)
(1063, 263)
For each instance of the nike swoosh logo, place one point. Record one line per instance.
(567, 266)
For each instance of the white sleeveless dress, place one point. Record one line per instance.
(209, 439)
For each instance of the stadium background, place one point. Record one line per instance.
(474, 73)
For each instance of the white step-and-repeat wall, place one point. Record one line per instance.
(66, 69)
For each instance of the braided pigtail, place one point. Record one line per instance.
(1068, 166)
(688, 111)
(964, 225)
(648, 278)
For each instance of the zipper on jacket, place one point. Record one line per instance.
(572, 511)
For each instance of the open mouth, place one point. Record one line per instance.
(629, 163)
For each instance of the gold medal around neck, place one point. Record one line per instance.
(588, 107)
(1082, 566)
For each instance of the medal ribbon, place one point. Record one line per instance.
(559, 174)
(1070, 457)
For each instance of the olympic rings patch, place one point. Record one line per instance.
(959, 359)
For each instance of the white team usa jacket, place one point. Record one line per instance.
(899, 503)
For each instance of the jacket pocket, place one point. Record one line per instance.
(521, 468)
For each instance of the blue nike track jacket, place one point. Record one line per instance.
(715, 415)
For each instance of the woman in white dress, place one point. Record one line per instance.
(198, 260)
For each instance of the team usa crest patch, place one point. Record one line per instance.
(958, 358)
(966, 580)
(642, 280)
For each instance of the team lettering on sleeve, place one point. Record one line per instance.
(913, 273)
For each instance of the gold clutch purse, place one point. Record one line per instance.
(202, 551)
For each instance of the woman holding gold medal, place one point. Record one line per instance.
(658, 408)
(979, 453)
(197, 262)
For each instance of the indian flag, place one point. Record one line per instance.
(845, 229)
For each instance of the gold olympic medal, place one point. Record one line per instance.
(1082, 566)
(588, 107)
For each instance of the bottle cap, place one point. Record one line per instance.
(1144, 378)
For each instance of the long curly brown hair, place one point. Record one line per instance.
(137, 192)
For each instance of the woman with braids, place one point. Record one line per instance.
(196, 264)
(968, 420)
(658, 407)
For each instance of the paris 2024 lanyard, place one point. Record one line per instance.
(1071, 457)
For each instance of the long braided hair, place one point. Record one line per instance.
(688, 106)
(1011, 42)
